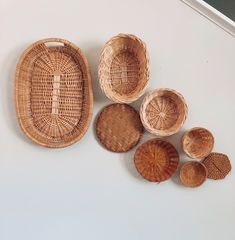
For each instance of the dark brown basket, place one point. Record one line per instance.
(53, 91)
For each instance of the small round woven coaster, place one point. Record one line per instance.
(218, 165)
(156, 160)
(118, 127)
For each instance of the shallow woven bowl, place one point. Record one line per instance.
(198, 142)
(156, 160)
(124, 68)
(163, 112)
(193, 174)
(53, 93)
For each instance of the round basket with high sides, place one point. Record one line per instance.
(124, 68)
(53, 93)
(163, 112)
(198, 142)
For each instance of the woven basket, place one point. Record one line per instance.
(156, 160)
(163, 112)
(198, 142)
(124, 68)
(53, 91)
(193, 174)
(218, 165)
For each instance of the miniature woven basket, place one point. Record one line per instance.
(53, 93)
(193, 174)
(163, 112)
(198, 142)
(124, 68)
(156, 160)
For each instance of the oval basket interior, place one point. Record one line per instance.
(124, 68)
(53, 92)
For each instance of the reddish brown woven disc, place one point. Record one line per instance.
(118, 127)
(218, 165)
(193, 174)
(156, 160)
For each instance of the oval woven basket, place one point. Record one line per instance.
(193, 174)
(124, 68)
(53, 93)
(198, 142)
(156, 160)
(163, 112)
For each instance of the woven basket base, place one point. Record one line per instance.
(118, 127)
(218, 165)
(156, 160)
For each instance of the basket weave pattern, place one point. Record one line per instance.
(124, 68)
(53, 93)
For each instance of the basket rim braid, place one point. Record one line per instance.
(196, 149)
(163, 112)
(193, 174)
(123, 69)
(36, 69)
(156, 160)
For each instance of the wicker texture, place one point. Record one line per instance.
(53, 92)
(218, 165)
(156, 160)
(193, 174)
(163, 112)
(124, 68)
(198, 142)
(118, 127)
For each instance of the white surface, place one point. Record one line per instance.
(84, 191)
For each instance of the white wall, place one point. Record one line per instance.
(84, 191)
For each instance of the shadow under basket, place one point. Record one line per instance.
(163, 112)
(198, 142)
(53, 90)
(124, 68)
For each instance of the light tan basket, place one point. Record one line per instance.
(124, 68)
(53, 93)
(163, 112)
(193, 174)
(198, 142)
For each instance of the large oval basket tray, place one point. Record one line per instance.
(53, 91)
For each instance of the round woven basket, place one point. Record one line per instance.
(124, 68)
(198, 142)
(156, 160)
(193, 174)
(163, 112)
(53, 93)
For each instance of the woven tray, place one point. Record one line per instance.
(218, 165)
(124, 68)
(118, 127)
(163, 112)
(198, 142)
(156, 160)
(193, 174)
(53, 92)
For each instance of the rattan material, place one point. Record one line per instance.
(218, 165)
(53, 93)
(193, 174)
(198, 142)
(163, 112)
(124, 68)
(118, 127)
(156, 160)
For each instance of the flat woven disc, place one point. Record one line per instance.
(218, 165)
(156, 160)
(118, 127)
